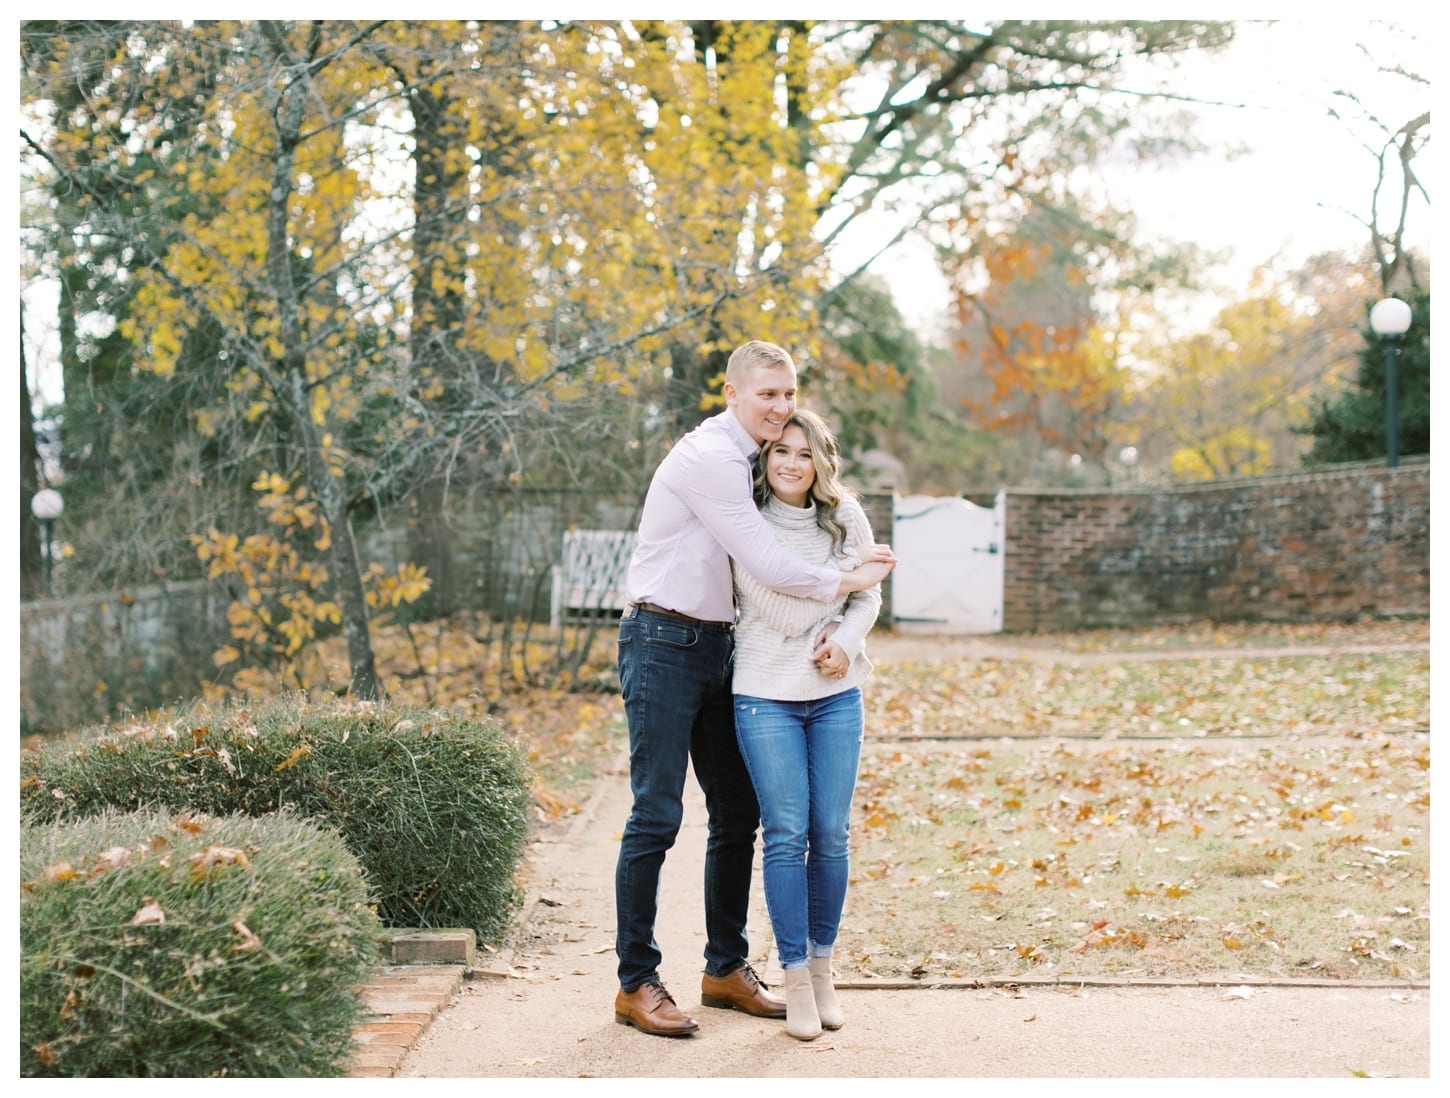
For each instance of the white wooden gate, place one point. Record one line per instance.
(949, 573)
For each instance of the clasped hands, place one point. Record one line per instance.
(829, 657)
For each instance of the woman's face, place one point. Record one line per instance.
(789, 469)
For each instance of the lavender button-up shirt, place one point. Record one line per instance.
(697, 515)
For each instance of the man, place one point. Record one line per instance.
(675, 645)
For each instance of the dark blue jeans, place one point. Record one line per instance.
(675, 678)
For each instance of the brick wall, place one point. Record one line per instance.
(1327, 545)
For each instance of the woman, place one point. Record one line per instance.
(799, 665)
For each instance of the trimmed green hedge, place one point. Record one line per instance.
(434, 805)
(185, 946)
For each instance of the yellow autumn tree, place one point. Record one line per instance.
(990, 129)
(405, 239)
(1227, 401)
(383, 254)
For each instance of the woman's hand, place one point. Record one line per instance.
(831, 660)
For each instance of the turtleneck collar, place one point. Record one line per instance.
(804, 516)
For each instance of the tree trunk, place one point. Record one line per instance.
(346, 573)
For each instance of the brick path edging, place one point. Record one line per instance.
(404, 998)
(402, 1001)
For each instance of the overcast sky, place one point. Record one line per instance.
(1307, 178)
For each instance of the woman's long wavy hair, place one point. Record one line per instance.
(827, 491)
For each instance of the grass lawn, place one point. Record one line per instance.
(1207, 802)
(1299, 857)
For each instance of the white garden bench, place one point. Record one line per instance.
(588, 581)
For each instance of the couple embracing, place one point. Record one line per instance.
(754, 582)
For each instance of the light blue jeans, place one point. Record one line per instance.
(802, 758)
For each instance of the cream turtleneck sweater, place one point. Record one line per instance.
(774, 632)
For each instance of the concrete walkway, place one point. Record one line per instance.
(545, 1008)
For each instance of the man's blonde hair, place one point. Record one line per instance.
(757, 352)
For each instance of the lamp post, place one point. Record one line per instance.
(46, 505)
(1390, 319)
(1128, 455)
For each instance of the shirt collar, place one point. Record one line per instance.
(748, 446)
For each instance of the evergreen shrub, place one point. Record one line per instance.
(160, 945)
(434, 804)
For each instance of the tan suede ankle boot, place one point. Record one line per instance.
(801, 1020)
(828, 1008)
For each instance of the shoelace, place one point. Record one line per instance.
(660, 994)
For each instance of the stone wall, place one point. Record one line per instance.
(86, 659)
(1328, 545)
(494, 552)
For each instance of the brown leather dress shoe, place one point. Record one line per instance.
(741, 990)
(650, 1008)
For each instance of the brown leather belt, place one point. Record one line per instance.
(655, 608)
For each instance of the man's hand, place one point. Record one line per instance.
(824, 635)
(874, 552)
(868, 575)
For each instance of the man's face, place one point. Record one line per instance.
(763, 401)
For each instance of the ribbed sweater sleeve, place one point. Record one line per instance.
(862, 607)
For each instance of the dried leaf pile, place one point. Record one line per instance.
(1355, 694)
(1068, 860)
